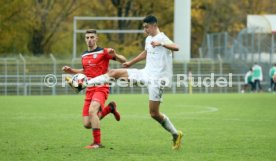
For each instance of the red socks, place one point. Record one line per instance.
(97, 136)
(104, 112)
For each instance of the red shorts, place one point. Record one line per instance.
(98, 94)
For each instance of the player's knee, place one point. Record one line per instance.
(154, 115)
(92, 112)
(87, 126)
(93, 109)
(112, 73)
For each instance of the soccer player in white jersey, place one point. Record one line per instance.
(157, 73)
(248, 81)
(272, 76)
(257, 76)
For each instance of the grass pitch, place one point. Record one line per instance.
(217, 127)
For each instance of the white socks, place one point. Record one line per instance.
(99, 80)
(167, 124)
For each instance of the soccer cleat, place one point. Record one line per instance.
(177, 140)
(113, 108)
(69, 82)
(94, 146)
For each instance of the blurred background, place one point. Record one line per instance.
(37, 38)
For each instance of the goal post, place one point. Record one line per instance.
(85, 18)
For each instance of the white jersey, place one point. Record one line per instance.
(159, 58)
(257, 72)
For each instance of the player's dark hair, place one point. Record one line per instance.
(91, 31)
(150, 19)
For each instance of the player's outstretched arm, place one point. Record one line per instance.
(138, 58)
(168, 44)
(171, 46)
(118, 57)
(70, 70)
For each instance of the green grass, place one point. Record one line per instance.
(225, 127)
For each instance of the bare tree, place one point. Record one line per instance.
(49, 17)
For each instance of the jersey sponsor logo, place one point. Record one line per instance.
(90, 63)
(153, 52)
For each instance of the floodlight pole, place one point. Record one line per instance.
(182, 29)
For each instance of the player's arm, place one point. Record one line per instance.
(70, 70)
(171, 46)
(138, 58)
(166, 44)
(117, 57)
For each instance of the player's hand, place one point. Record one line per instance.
(126, 64)
(112, 52)
(67, 69)
(155, 43)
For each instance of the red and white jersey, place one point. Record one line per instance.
(95, 62)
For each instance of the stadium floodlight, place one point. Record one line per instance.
(84, 18)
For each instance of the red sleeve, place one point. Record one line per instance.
(106, 54)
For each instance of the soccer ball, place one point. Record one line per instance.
(79, 81)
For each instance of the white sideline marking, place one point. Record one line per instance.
(204, 109)
(224, 119)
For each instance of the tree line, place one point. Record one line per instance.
(41, 27)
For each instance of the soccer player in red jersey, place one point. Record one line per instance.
(95, 62)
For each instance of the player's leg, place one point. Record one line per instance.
(86, 118)
(259, 85)
(166, 123)
(155, 97)
(252, 86)
(274, 85)
(106, 110)
(154, 111)
(85, 109)
(271, 85)
(86, 122)
(105, 78)
(110, 108)
(97, 104)
(95, 123)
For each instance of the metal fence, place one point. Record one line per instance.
(248, 47)
(243, 50)
(43, 76)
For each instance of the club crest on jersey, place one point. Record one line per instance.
(95, 56)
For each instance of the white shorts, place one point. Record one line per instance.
(141, 79)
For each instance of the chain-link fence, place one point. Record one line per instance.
(248, 47)
(242, 51)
